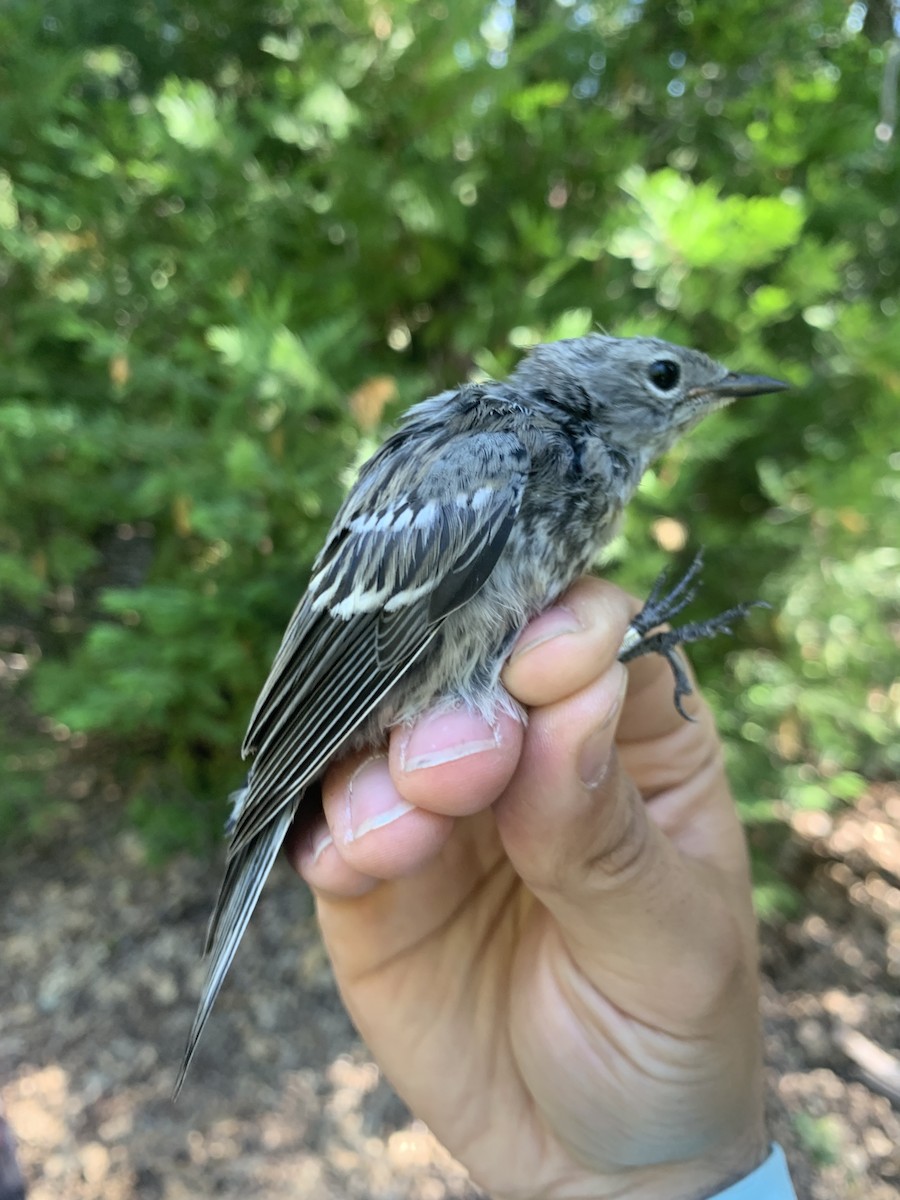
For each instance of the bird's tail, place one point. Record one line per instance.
(245, 875)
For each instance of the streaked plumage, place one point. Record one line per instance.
(475, 515)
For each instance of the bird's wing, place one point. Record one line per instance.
(414, 541)
(407, 548)
(416, 538)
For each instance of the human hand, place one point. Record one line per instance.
(548, 942)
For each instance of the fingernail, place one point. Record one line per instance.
(552, 624)
(372, 802)
(445, 738)
(320, 846)
(593, 758)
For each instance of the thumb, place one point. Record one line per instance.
(645, 924)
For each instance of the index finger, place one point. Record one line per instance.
(568, 647)
(573, 643)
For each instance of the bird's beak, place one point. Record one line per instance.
(734, 385)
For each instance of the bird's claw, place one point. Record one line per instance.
(662, 606)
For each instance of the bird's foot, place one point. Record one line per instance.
(663, 606)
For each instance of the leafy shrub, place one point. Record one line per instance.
(235, 238)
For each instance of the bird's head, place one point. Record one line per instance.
(641, 393)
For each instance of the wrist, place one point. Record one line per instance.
(704, 1178)
(691, 1179)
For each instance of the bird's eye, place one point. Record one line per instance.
(664, 374)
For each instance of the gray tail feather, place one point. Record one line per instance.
(244, 878)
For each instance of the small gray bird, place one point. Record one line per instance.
(488, 501)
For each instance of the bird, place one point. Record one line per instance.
(474, 516)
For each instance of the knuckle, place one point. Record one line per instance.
(616, 849)
(602, 852)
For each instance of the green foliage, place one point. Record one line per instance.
(231, 233)
(821, 1136)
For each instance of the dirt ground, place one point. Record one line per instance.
(99, 975)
